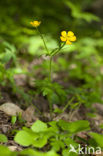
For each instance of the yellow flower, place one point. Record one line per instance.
(67, 37)
(35, 23)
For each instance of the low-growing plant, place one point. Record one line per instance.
(53, 90)
(55, 138)
(55, 135)
(79, 68)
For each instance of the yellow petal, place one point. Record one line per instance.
(70, 33)
(68, 42)
(35, 23)
(63, 33)
(63, 38)
(31, 23)
(72, 38)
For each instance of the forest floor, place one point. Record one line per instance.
(13, 103)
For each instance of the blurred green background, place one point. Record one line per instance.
(80, 16)
(82, 62)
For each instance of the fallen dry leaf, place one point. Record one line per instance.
(10, 109)
(12, 148)
(28, 114)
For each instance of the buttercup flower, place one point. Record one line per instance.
(35, 23)
(67, 37)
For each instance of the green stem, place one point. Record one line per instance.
(68, 104)
(43, 40)
(57, 51)
(50, 70)
(50, 62)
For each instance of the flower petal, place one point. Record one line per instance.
(31, 23)
(35, 23)
(72, 38)
(68, 42)
(63, 33)
(70, 33)
(63, 38)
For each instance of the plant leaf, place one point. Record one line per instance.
(24, 138)
(74, 127)
(98, 138)
(3, 138)
(39, 126)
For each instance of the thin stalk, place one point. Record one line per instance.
(72, 113)
(57, 50)
(43, 40)
(68, 104)
(51, 110)
(50, 79)
(50, 62)
(50, 69)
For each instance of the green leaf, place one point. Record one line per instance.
(54, 126)
(98, 138)
(101, 126)
(39, 126)
(3, 138)
(69, 141)
(13, 119)
(51, 153)
(92, 115)
(77, 12)
(40, 141)
(24, 138)
(57, 144)
(32, 152)
(74, 127)
(4, 151)
(66, 152)
(57, 110)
